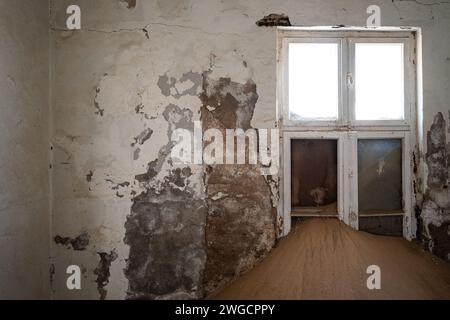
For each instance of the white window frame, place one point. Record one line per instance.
(341, 86)
(408, 82)
(346, 57)
(346, 130)
(407, 186)
(287, 139)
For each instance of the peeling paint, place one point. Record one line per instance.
(118, 187)
(165, 229)
(52, 276)
(160, 84)
(102, 271)
(435, 212)
(436, 156)
(177, 118)
(79, 243)
(274, 19)
(187, 84)
(142, 137)
(131, 4)
(99, 111)
(241, 227)
(136, 153)
(230, 103)
(89, 176)
(165, 232)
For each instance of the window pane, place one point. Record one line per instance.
(313, 81)
(379, 93)
(314, 176)
(379, 175)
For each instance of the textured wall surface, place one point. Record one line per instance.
(140, 225)
(24, 150)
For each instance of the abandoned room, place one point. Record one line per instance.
(224, 150)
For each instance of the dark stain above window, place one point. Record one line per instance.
(274, 19)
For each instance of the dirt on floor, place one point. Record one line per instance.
(322, 258)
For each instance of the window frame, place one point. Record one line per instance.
(407, 186)
(342, 184)
(408, 82)
(409, 129)
(341, 86)
(346, 66)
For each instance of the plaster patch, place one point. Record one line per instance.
(435, 212)
(165, 229)
(130, 3)
(188, 84)
(241, 227)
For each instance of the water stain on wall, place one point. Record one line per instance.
(187, 84)
(102, 271)
(183, 243)
(435, 213)
(241, 222)
(165, 229)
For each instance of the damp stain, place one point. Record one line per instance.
(187, 84)
(165, 228)
(165, 233)
(119, 187)
(99, 111)
(436, 156)
(52, 272)
(131, 4)
(103, 271)
(230, 103)
(136, 153)
(178, 119)
(241, 227)
(89, 176)
(434, 219)
(79, 243)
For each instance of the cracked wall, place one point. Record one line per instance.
(136, 71)
(435, 214)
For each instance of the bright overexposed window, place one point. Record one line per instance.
(379, 83)
(348, 111)
(351, 79)
(313, 81)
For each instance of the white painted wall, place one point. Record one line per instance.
(24, 150)
(112, 53)
(111, 64)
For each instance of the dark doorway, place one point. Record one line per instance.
(314, 177)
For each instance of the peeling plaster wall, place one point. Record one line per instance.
(137, 71)
(24, 150)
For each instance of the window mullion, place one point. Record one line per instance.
(351, 82)
(344, 99)
(350, 177)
